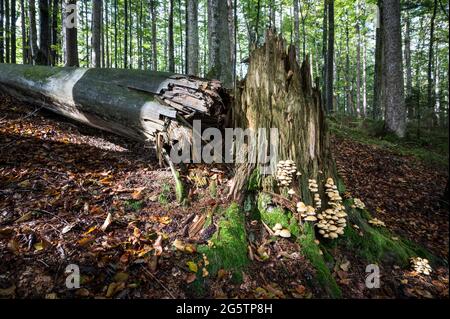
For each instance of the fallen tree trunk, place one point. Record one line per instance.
(132, 103)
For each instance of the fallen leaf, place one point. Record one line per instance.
(8, 291)
(121, 277)
(38, 246)
(67, 228)
(137, 194)
(25, 217)
(192, 266)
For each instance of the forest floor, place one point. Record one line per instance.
(59, 182)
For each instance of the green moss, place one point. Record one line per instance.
(134, 205)
(213, 189)
(377, 244)
(229, 249)
(275, 215)
(40, 73)
(312, 251)
(254, 182)
(163, 197)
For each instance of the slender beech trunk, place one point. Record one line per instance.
(71, 33)
(96, 32)
(408, 56)
(153, 9)
(192, 40)
(324, 51)
(2, 32)
(33, 31)
(430, 92)
(297, 29)
(378, 74)
(393, 88)
(44, 33)
(55, 42)
(358, 64)
(7, 33)
(219, 42)
(24, 32)
(171, 40)
(13, 31)
(330, 57)
(125, 39)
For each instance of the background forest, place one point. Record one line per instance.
(172, 35)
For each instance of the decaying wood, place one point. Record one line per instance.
(279, 93)
(133, 103)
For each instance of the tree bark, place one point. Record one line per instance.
(192, 40)
(43, 57)
(393, 90)
(33, 31)
(71, 33)
(330, 58)
(219, 40)
(378, 74)
(430, 92)
(2, 32)
(153, 8)
(55, 41)
(125, 39)
(297, 29)
(133, 103)
(324, 51)
(24, 32)
(171, 41)
(13, 31)
(96, 32)
(7, 33)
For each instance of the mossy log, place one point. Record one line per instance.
(133, 103)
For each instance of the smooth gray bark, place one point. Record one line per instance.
(192, 41)
(393, 88)
(219, 40)
(71, 43)
(96, 32)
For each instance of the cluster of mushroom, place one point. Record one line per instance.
(421, 265)
(280, 231)
(332, 221)
(285, 172)
(357, 203)
(317, 200)
(376, 222)
(308, 213)
(313, 187)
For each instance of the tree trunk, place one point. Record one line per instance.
(171, 41)
(13, 31)
(43, 57)
(192, 40)
(33, 31)
(296, 29)
(378, 74)
(219, 40)
(153, 8)
(324, 51)
(430, 92)
(71, 33)
(393, 90)
(96, 32)
(7, 33)
(54, 50)
(133, 103)
(358, 64)
(330, 58)
(408, 56)
(24, 32)
(2, 32)
(125, 39)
